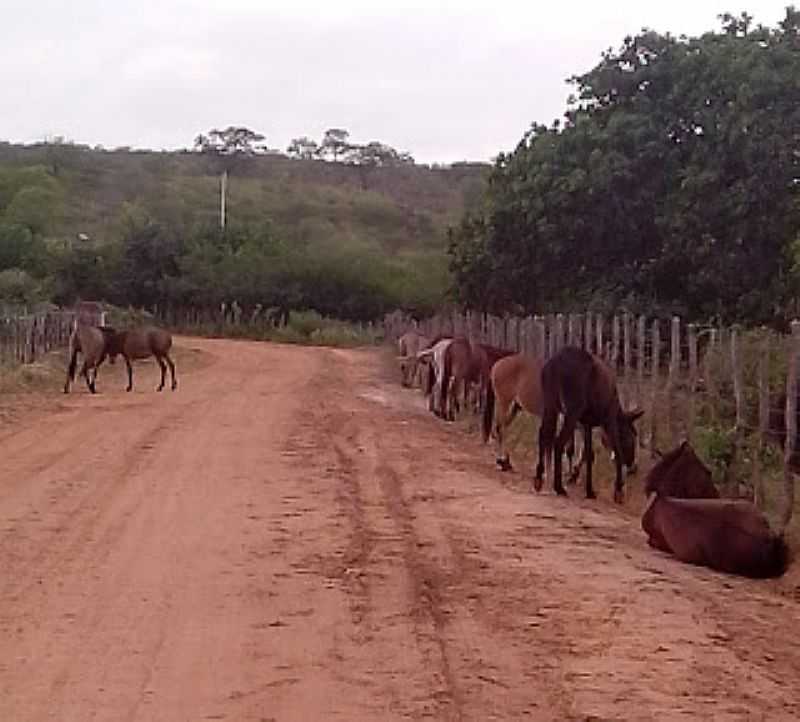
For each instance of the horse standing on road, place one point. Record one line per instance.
(141, 343)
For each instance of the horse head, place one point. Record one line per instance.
(628, 437)
(110, 342)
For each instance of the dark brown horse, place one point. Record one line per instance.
(722, 534)
(92, 342)
(583, 389)
(515, 384)
(140, 343)
(680, 473)
(467, 366)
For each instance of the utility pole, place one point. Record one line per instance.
(223, 189)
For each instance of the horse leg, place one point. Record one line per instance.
(613, 436)
(570, 451)
(163, 368)
(85, 373)
(73, 362)
(547, 433)
(130, 373)
(504, 418)
(172, 371)
(588, 456)
(567, 432)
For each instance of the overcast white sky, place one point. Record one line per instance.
(444, 80)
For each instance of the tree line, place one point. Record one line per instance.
(670, 187)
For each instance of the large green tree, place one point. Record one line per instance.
(671, 185)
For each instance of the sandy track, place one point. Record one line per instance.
(291, 537)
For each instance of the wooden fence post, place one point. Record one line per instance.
(559, 332)
(599, 350)
(763, 417)
(791, 426)
(692, 332)
(541, 337)
(626, 347)
(587, 333)
(641, 362)
(736, 373)
(654, 378)
(708, 373)
(674, 367)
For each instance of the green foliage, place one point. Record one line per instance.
(18, 288)
(670, 188)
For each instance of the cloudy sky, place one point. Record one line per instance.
(445, 80)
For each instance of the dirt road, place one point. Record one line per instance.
(291, 537)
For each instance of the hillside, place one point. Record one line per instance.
(401, 208)
(394, 216)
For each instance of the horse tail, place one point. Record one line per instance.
(74, 347)
(447, 372)
(488, 411)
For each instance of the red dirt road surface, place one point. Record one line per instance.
(290, 536)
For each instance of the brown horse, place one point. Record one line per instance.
(433, 357)
(140, 343)
(92, 342)
(409, 345)
(466, 370)
(680, 473)
(583, 388)
(726, 535)
(515, 384)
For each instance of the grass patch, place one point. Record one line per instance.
(305, 328)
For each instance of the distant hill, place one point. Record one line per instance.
(400, 209)
(342, 239)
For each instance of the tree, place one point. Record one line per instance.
(334, 143)
(671, 187)
(232, 141)
(303, 148)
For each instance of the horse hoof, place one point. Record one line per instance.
(504, 464)
(561, 491)
(619, 496)
(591, 495)
(537, 483)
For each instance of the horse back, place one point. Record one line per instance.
(146, 341)
(518, 377)
(728, 535)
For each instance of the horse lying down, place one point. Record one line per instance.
(730, 536)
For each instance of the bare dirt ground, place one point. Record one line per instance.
(290, 536)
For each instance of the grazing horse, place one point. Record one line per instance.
(727, 535)
(409, 345)
(92, 342)
(681, 474)
(140, 343)
(515, 383)
(467, 365)
(434, 357)
(582, 388)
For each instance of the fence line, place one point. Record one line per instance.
(737, 386)
(26, 338)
